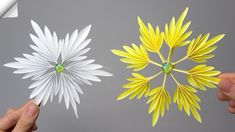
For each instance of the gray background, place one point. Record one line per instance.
(114, 24)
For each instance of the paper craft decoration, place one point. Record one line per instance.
(199, 77)
(58, 66)
(8, 8)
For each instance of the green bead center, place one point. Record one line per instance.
(59, 68)
(167, 67)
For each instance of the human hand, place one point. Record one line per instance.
(227, 90)
(20, 120)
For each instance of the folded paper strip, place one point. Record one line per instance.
(8, 8)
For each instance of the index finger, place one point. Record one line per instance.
(227, 75)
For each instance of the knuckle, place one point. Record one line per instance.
(231, 103)
(221, 97)
(231, 110)
(22, 123)
(9, 120)
(10, 110)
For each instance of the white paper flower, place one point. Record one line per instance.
(58, 66)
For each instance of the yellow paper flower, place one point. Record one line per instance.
(199, 77)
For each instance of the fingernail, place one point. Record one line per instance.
(32, 110)
(226, 85)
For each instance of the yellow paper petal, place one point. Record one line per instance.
(151, 40)
(137, 87)
(136, 57)
(202, 76)
(175, 35)
(159, 99)
(187, 99)
(199, 49)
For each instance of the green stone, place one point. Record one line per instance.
(167, 67)
(59, 68)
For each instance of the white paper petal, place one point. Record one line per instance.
(35, 75)
(73, 103)
(50, 44)
(41, 53)
(78, 55)
(76, 50)
(83, 34)
(73, 39)
(41, 88)
(46, 42)
(64, 51)
(47, 94)
(58, 47)
(72, 83)
(99, 73)
(75, 43)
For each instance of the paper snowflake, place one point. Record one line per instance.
(175, 35)
(58, 66)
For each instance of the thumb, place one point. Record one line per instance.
(228, 88)
(27, 119)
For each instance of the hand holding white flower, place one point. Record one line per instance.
(58, 66)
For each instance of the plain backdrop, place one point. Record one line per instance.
(114, 23)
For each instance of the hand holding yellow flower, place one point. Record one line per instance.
(200, 76)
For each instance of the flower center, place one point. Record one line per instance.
(59, 68)
(167, 67)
